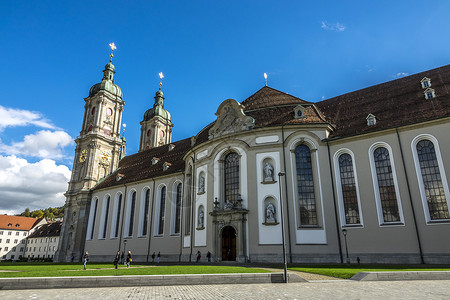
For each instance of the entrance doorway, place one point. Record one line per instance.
(228, 243)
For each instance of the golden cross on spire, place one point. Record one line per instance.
(113, 47)
(265, 78)
(161, 76)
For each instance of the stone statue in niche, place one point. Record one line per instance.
(268, 172)
(228, 205)
(201, 219)
(270, 213)
(201, 184)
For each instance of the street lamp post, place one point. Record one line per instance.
(124, 246)
(282, 227)
(344, 232)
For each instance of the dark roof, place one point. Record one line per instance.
(268, 97)
(395, 103)
(47, 230)
(139, 166)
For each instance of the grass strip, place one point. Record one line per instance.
(60, 270)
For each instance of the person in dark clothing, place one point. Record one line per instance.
(117, 259)
(129, 260)
(153, 257)
(208, 255)
(199, 255)
(85, 259)
(159, 256)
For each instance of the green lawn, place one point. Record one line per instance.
(346, 271)
(95, 269)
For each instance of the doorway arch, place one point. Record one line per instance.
(228, 243)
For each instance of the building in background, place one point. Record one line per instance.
(43, 242)
(359, 176)
(14, 231)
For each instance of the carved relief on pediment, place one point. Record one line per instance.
(230, 119)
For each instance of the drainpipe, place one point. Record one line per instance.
(123, 217)
(192, 202)
(151, 220)
(410, 198)
(181, 219)
(336, 216)
(287, 194)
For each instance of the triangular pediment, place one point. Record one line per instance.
(268, 97)
(230, 119)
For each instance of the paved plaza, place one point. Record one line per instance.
(342, 289)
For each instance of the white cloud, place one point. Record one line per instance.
(33, 185)
(11, 117)
(43, 144)
(339, 27)
(401, 74)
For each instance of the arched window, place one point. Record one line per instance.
(231, 170)
(348, 187)
(386, 187)
(431, 177)
(116, 220)
(162, 209)
(178, 209)
(146, 208)
(187, 211)
(105, 216)
(305, 186)
(132, 208)
(93, 213)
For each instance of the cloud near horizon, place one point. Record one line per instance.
(12, 117)
(339, 27)
(43, 144)
(34, 185)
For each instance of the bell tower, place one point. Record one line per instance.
(97, 154)
(156, 127)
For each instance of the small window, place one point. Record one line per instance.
(371, 120)
(9, 225)
(429, 93)
(426, 82)
(299, 112)
(17, 233)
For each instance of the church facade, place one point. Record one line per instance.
(358, 176)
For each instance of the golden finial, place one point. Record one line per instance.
(113, 47)
(265, 78)
(161, 76)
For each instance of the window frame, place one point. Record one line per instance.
(115, 224)
(337, 173)
(421, 185)
(376, 188)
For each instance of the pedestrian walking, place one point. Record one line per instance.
(159, 256)
(199, 255)
(85, 259)
(153, 257)
(208, 255)
(129, 260)
(117, 259)
(122, 259)
(72, 258)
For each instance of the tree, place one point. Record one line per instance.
(37, 214)
(26, 213)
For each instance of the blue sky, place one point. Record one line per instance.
(52, 52)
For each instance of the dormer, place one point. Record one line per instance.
(429, 93)
(155, 160)
(171, 147)
(299, 112)
(119, 177)
(371, 120)
(426, 82)
(166, 166)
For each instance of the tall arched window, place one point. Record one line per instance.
(105, 216)
(178, 209)
(431, 176)
(162, 209)
(146, 208)
(305, 186)
(231, 169)
(94, 205)
(117, 216)
(386, 187)
(187, 211)
(348, 186)
(132, 208)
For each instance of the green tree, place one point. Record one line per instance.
(37, 213)
(26, 213)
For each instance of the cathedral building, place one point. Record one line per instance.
(358, 176)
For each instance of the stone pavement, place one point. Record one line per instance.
(340, 289)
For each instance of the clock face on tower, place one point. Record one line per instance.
(105, 157)
(83, 155)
